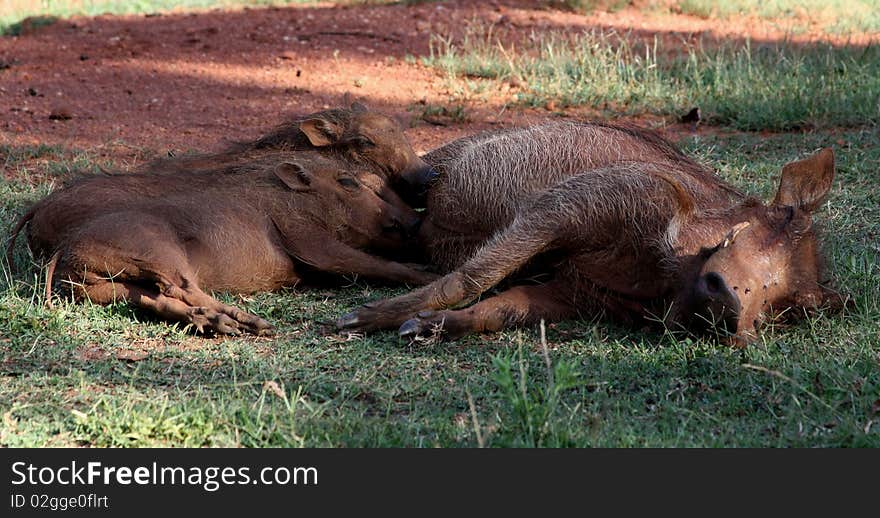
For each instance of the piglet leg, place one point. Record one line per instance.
(337, 257)
(113, 260)
(209, 318)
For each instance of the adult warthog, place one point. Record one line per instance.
(618, 221)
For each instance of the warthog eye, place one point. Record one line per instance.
(363, 142)
(348, 183)
(783, 223)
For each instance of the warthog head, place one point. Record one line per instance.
(355, 203)
(768, 263)
(367, 136)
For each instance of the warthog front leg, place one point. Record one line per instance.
(336, 257)
(516, 306)
(502, 256)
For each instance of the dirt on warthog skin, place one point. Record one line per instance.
(128, 88)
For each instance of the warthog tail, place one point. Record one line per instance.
(50, 272)
(14, 235)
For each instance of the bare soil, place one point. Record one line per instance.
(125, 88)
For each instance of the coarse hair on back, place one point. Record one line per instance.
(496, 169)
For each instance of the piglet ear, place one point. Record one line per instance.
(321, 132)
(294, 176)
(805, 183)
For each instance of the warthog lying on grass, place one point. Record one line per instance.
(621, 221)
(354, 135)
(313, 195)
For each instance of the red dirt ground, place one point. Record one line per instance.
(128, 87)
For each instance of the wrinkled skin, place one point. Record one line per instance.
(638, 241)
(160, 240)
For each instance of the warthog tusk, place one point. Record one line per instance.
(731, 236)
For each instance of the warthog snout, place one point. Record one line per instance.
(405, 223)
(417, 179)
(716, 304)
(396, 220)
(420, 177)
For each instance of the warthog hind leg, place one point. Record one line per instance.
(206, 314)
(209, 307)
(114, 260)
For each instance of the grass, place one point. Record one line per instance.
(80, 374)
(112, 376)
(829, 16)
(441, 115)
(835, 16)
(16, 10)
(779, 87)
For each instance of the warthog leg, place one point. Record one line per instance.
(143, 264)
(240, 319)
(336, 257)
(503, 255)
(207, 316)
(516, 306)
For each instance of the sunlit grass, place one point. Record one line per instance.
(833, 16)
(775, 87)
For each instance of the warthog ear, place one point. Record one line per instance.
(358, 107)
(805, 183)
(295, 176)
(321, 132)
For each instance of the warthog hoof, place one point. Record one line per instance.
(348, 320)
(206, 321)
(370, 317)
(382, 314)
(410, 329)
(430, 324)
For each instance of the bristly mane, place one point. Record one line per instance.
(668, 150)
